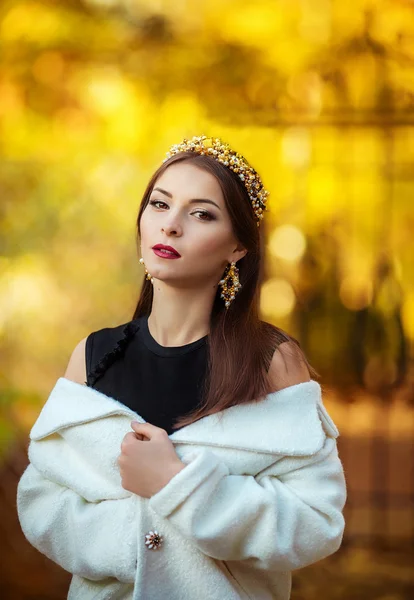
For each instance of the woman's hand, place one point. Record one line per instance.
(148, 460)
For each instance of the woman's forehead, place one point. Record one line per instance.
(197, 182)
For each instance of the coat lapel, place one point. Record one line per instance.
(290, 421)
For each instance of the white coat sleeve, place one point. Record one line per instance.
(282, 522)
(90, 539)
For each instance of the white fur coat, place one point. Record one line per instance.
(262, 494)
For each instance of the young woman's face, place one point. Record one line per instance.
(186, 210)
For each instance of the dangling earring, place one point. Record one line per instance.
(230, 284)
(141, 260)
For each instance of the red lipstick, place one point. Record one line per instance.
(165, 251)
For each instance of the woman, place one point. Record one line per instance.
(187, 453)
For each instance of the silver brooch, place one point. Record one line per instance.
(153, 540)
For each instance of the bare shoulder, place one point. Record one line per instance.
(76, 369)
(287, 366)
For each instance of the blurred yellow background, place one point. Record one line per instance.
(319, 97)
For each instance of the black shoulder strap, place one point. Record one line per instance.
(105, 346)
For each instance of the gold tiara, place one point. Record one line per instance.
(222, 152)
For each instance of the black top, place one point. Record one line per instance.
(160, 383)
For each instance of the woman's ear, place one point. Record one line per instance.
(238, 254)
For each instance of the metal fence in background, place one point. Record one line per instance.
(376, 446)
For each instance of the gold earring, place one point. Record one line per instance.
(230, 284)
(141, 260)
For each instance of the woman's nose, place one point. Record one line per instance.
(172, 227)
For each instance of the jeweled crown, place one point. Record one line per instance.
(222, 152)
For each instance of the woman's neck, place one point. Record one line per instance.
(179, 316)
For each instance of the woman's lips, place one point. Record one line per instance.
(164, 253)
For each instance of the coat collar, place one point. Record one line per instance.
(291, 421)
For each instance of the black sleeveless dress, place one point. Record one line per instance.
(160, 383)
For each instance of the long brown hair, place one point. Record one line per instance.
(240, 346)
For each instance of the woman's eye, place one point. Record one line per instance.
(205, 214)
(154, 202)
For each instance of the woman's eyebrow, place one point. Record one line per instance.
(193, 201)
